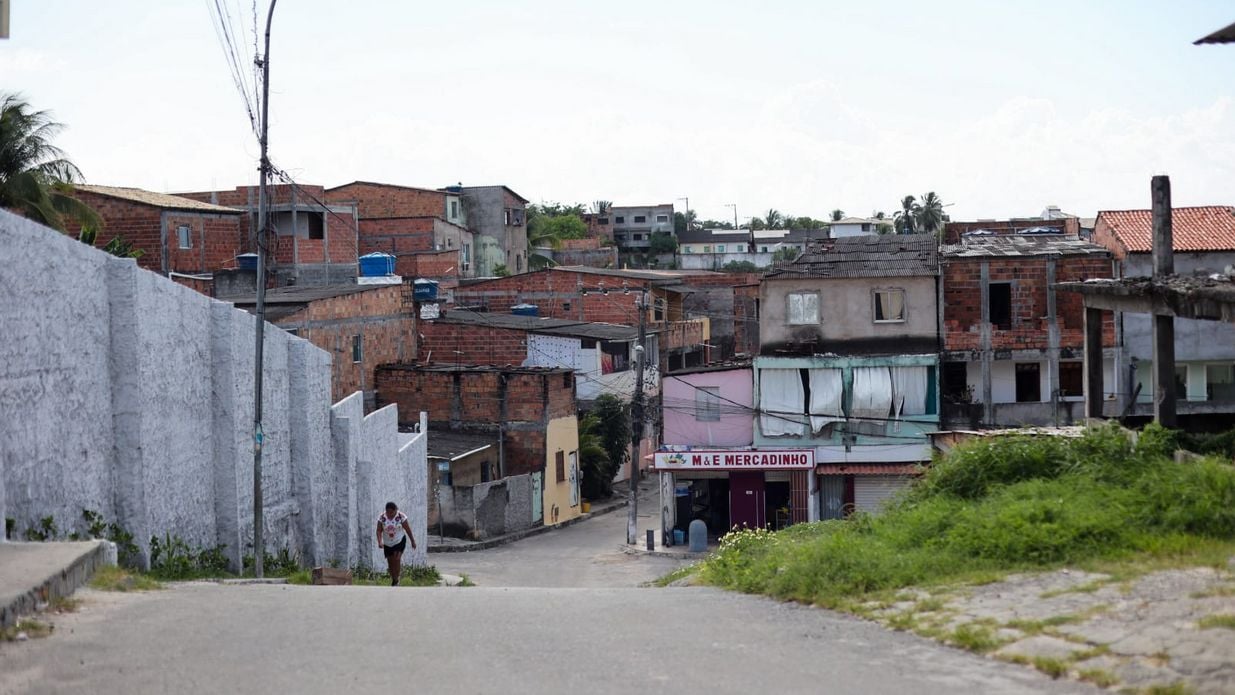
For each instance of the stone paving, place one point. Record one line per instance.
(1167, 628)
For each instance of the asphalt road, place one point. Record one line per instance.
(205, 638)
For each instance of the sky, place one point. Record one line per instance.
(1000, 108)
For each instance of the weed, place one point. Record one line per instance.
(1034, 627)
(1055, 668)
(1099, 677)
(118, 579)
(1176, 688)
(930, 605)
(1086, 588)
(906, 621)
(45, 531)
(1214, 592)
(64, 604)
(975, 638)
(1212, 621)
(677, 575)
(32, 629)
(302, 576)
(465, 580)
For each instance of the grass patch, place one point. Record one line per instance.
(465, 580)
(32, 629)
(426, 575)
(64, 604)
(112, 578)
(1086, 588)
(1034, 627)
(1099, 677)
(1055, 668)
(676, 575)
(996, 506)
(974, 637)
(1217, 621)
(1176, 688)
(1214, 592)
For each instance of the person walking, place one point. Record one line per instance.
(393, 534)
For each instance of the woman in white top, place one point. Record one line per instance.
(393, 533)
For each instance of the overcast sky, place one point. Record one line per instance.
(1001, 108)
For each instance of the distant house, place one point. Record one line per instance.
(177, 235)
(849, 367)
(498, 217)
(855, 226)
(633, 225)
(1013, 345)
(1204, 244)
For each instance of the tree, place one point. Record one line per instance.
(662, 242)
(683, 221)
(598, 469)
(715, 224)
(774, 220)
(928, 214)
(837, 215)
(785, 254)
(601, 207)
(757, 223)
(35, 176)
(548, 225)
(614, 431)
(501, 271)
(805, 222)
(905, 222)
(740, 267)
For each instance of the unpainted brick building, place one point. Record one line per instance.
(1013, 345)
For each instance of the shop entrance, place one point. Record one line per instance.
(747, 499)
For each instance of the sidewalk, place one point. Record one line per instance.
(439, 544)
(32, 574)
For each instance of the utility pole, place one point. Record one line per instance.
(636, 424)
(259, 544)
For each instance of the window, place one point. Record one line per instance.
(1071, 379)
(707, 249)
(518, 263)
(999, 297)
(506, 217)
(640, 219)
(614, 357)
(565, 306)
(1220, 382)
(357, 349)
(763, 249)
(518, 216)
(454, 209)
(658, 310)
(889, 306)
(956, 383)
(602, 220)
(707, 403)
(559, 463)
(306, 224)
(866, 227)
(619, 220)
(636, 237)
(450, 243)
(720, 248)
(803, 308)
(662, 218)
(465, 255)
(1028, 382)
(687, 249)
(566, 380)
(185, 236)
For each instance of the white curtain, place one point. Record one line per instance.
(780, 391)
(826, 388)
(872, 393)
(891, 304)
(909, 390)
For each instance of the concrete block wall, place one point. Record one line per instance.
(490, 509)
(124, 393)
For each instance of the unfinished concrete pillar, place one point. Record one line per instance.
(1163, 326)
(1093, 363)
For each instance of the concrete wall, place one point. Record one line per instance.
(693, 259)
(124, 393)
(847, 315)
(490, 509)
(1194, 340)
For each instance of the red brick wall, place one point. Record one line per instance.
(952, 231)
(395, 236)
(474, 344)
(442, 266)
(331, 323)
(478, 396)
(557, 293)
(962, 290)
(1103, 235)
(746, 319)
(375, 201)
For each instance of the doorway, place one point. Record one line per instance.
(746, 499)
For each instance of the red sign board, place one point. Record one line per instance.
(717, 460)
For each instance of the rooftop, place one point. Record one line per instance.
(1021, 245)
(1223, 35)
(891, 255)
(158, 200)
(438, 191)
(1205, 228)
(284, 301)
(719, 367)
(451, 444)
(861, 220)
(1186, 296)
(705, 236)
(539, 324)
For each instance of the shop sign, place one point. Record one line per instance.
(716, 460)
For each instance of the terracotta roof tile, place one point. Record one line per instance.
(1207, 228)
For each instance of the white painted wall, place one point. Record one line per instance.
(124, 393)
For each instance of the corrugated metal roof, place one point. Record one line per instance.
(541, 324)
(1223, 35)
(891, 255)
(1018, 245)
(1205, 228)
(158, 200)
(303, 294)
(449, 444)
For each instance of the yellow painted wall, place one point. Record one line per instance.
(561, 435)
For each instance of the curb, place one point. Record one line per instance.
(58, 585)
(674, 554)
(520, 535)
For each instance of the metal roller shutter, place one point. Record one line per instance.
(871, 491)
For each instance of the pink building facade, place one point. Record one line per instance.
(709, 407)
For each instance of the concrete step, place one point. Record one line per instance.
(34, 574)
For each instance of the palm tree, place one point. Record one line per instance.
(905, 223)
(838, 215)
(35, 177)
(594, 460)
(774, 220)
(928, 215)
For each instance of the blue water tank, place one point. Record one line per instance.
(377, 264)
(247, 261)
(424, 290)
(525, 310)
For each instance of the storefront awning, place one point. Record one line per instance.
(869, 469)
